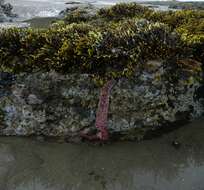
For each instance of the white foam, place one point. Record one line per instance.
(14, 24)
(48, 13)
(105, 3)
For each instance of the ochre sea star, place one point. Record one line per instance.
(102, 115)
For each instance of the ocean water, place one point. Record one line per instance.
(27, 9)
(43, 9)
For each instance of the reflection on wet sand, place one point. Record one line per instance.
(26, 164)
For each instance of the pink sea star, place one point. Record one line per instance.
(102, 114)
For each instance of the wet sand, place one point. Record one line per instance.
(28, 164)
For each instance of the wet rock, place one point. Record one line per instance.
(51, 104)
(74, 3)
(200, 93)
(33, 100)
(3, 17)
(85, 10)
(6, 80)
(6, 13)
(176, 144)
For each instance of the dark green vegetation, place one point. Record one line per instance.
(109, 44)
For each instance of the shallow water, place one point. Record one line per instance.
(27, 164)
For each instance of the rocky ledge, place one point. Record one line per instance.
(51, 104)
(6, 13)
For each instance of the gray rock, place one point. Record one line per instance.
(33, 100)
(50, 104)
(6, 13)
(85, 9)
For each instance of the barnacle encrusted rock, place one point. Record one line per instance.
(52, 104)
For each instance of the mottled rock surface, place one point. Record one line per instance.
(52, 104)
(86, 9)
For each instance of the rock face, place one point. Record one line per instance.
(6, 12)
(79, 10)
(52, 104)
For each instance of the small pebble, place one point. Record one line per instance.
(176, 144)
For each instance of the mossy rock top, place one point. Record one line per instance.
(109, 44)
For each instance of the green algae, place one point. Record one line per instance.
(109, 44)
